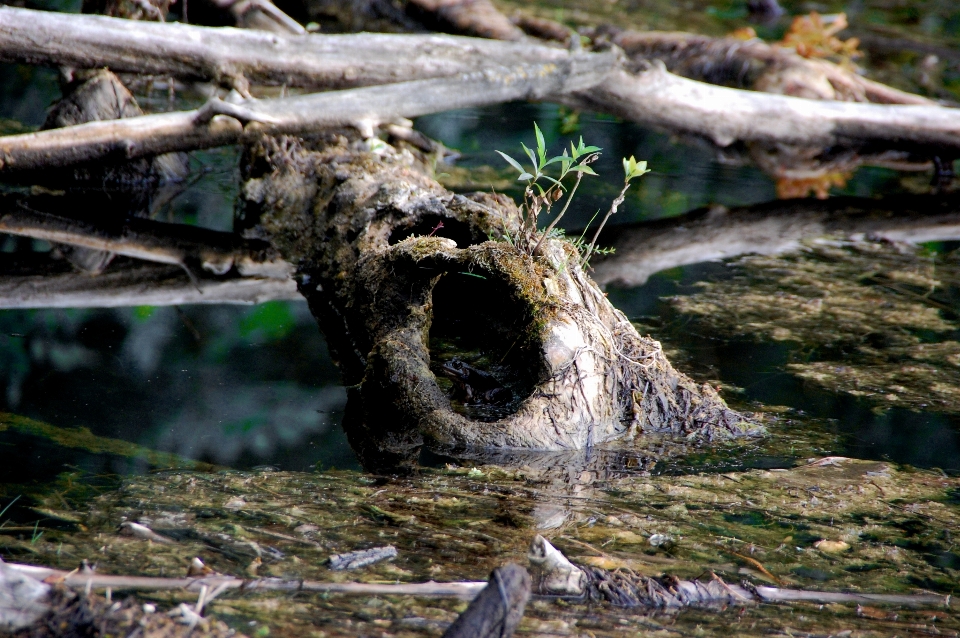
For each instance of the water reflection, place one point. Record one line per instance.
(230, 385)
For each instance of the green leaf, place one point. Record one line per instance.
(541, 144)
(583, 168)
(532, 156)
(632, 168)
(524, 176)
(514, 163)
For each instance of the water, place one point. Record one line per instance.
(94, 402)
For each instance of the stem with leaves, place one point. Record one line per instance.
(632, 169)
(537, 200)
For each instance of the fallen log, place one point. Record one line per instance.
(221, 123)
(647, 94)
(404, 277)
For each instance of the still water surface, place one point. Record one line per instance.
(247, 387)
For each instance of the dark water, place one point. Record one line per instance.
(243, 387)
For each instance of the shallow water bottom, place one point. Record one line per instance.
(895, 529)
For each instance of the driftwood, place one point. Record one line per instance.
(646, 94)
(220, 123)
(724, 592)
(497, 609)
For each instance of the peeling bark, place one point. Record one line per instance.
(397, 294)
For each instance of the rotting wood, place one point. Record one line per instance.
(647, 93)
(394, 266)
(497, 609)
(220, 123)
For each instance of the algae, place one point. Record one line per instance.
(458, 523)
(872, 319)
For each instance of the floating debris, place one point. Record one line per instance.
(143, 532)
(362, 558)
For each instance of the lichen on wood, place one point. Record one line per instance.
(392, 265)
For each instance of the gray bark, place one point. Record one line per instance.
(652, 96)
(219, 123)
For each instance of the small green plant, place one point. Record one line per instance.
(543, 191)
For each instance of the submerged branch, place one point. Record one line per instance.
(654, 594)
(82, 581)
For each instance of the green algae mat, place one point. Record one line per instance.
(831, 524)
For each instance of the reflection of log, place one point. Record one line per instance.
(135, 285)
(713, 234)
(651, 96)
(221, 123)
(397, 294)
(189, 247)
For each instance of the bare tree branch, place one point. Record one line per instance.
(222, 54)
(186, 130)
(659, 98)
(518, 71)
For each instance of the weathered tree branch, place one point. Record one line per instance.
(366, 107)
(659, 98)
(650, 96)
(223, 54)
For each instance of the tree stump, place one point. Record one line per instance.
(409, 281)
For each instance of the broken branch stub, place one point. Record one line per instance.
(448, 334)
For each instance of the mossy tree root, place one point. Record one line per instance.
(401, 274)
